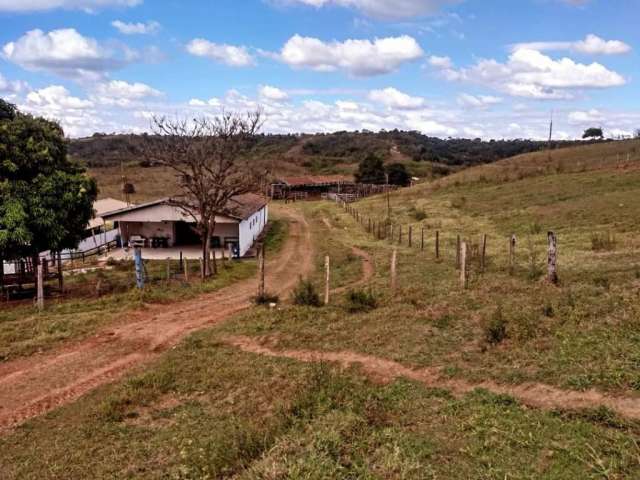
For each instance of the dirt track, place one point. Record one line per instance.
(35, 385)
(533, 394)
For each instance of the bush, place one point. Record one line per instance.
(548, 311)
(419, 215)
(496, 330)
(602, 282)
(305, 294)
(603, 241)
(361, 301)
(266, 298)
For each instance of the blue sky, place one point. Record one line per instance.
(463, 68)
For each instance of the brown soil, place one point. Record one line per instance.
(532, 394)
(35, 385)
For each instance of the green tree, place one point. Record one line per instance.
(46, 201)
(371, 171)
(398, 175)
(593, 133)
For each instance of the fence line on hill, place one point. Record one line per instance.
(465, 251)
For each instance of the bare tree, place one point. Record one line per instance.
(211, 159)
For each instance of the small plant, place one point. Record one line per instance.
(534, 270)
(603, 242)
(535, 228)
(361, 301)
(266, 299)
(419, 215)
(305, 294)
(496, 330)
(602, 282)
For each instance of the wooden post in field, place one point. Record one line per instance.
(458, 247)
(327, 278)
(168, 269)
(60, 274)
(410, 236)
(40, 300)
(483, 254)
(512, 253)
(400, 235)
(186, 270)
(422, 240)
(464, 277)
(201, 268)
(369, 227)
(552, 260)
(181, 260)
(437, 244)
(394, 265)
(261, 289)
(391, 235)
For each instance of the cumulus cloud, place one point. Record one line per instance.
(56, 98)
(268, 92)
(138, 28)
(591, 45)
(123, 94)
(585, 117)
(440, 62)
(22, 6)
(235, 56)
(385, 9)
(477, 101)
(66, 53)
(357, 57)
(10, 87)
(395, 99)
(530, 73)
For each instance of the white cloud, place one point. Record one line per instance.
(584, 117)
(66, 53)
(268, 92)
(123, 94)
(591, 45)
(440, 62)
(11, 86)
(22, 6)
(136, 28)
(395, 99)
(235, 56)
(531, 74)
(479, 101)
(386, 9)
(357, 57)
(55, 99)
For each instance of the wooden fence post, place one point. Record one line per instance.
(40, 287)
(464, 278)
(437, 244)
(261, 289)
(458, 247)
(391, 235)
(168, 269)
(60, 273)
(327, 279)
(394, 264)
(410, 236)
(186, 270)
(400, 235)
(181, 264)
(369, 227)
(139, 266)
(483, 254)
(552, 260)
(512, 252)
(422, 239)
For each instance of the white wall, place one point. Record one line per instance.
(251, 228)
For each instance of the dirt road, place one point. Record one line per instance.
(38, 384)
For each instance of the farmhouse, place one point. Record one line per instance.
(161, 224)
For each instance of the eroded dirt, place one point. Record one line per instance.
(536, 395)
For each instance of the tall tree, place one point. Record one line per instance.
(398, 175)
(371, 171)
(46, 200)
(593, 133)
(211, 159)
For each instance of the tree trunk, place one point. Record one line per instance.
(60, 275)
(552, 261)
(204, 272)
(35, 260)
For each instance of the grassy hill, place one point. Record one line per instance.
(509, 378)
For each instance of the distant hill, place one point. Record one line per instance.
(336, 152)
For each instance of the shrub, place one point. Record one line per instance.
(603, 241)
(602, 282)
(305, 294)
(547, 310)
(361, 301)
(419, 215)
(496, 330)
(266, 298)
